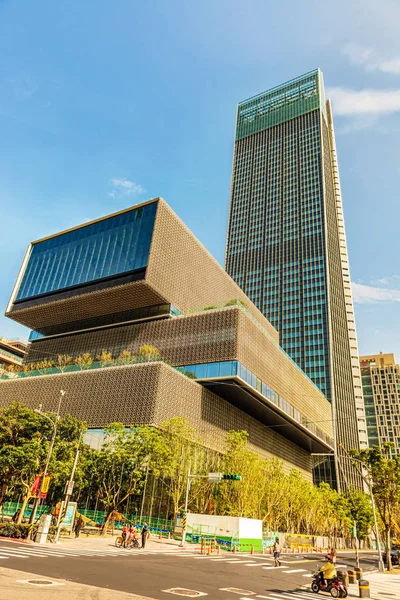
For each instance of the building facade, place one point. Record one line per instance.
(286, 244)
(12, 353)
(381, 385)
(137, 278)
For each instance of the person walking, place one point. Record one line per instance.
(145, 531)
(277, 552)
(80, 524)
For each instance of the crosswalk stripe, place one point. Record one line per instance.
(295, 571)
(257, 565)
(287, 595)
(267, 568)
(236, 561)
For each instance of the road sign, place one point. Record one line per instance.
(215, 477)
(69, 488)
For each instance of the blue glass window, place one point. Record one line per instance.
(226, 368)
(201, 371)
(110, 247)
(212, 369)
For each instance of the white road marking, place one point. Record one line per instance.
(236, 560)
(239, 591)
(295, 571)
(257, 565)
(266, 568)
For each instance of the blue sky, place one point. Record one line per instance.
(104, 104)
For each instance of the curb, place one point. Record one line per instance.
(15, 540)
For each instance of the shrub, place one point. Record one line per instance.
(190, 374)
(15, 530)
(210, 307)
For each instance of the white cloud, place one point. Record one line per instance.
(364, 102)
(125, 187)
(368, 294)
(370, 59)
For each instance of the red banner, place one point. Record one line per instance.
(36, 486)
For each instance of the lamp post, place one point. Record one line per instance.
(53, 439)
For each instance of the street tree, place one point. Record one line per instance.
(175, 453)
(24, 443)
(383, 469)
(120, 466)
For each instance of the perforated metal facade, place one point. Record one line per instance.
(150, 394)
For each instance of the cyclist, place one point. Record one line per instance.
(131, 534)
(124, 534)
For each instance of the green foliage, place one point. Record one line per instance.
(119, 467)
(105, 357)
(211, 307)
(84, 361)
(383, 469)
(360, 510)
(24, 444)
(189, 374)
(147, 353)
(15, 530)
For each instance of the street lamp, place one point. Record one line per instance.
(53, 439)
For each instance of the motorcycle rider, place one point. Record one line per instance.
(328, 572)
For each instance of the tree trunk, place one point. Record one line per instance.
(3, 491)
(24, 503)
(106, 522)
(388, 548)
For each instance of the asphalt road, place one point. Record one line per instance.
(151, 573)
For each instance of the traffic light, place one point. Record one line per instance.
(231, 477)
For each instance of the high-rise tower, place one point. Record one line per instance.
(286, 244)
(381, 385)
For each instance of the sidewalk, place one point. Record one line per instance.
(382, 586)
(14, 586)
(102, 543)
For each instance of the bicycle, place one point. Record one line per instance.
(131, 543)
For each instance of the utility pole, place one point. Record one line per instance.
(185, 510)
(53, 439)
(68, 492)
(356, 544)
(144, 492)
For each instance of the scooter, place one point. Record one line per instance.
(336, 587)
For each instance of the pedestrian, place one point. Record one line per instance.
(145, 531)
(16, 516)
(80, 524)
(277, 552)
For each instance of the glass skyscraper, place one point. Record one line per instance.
(286, 246)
